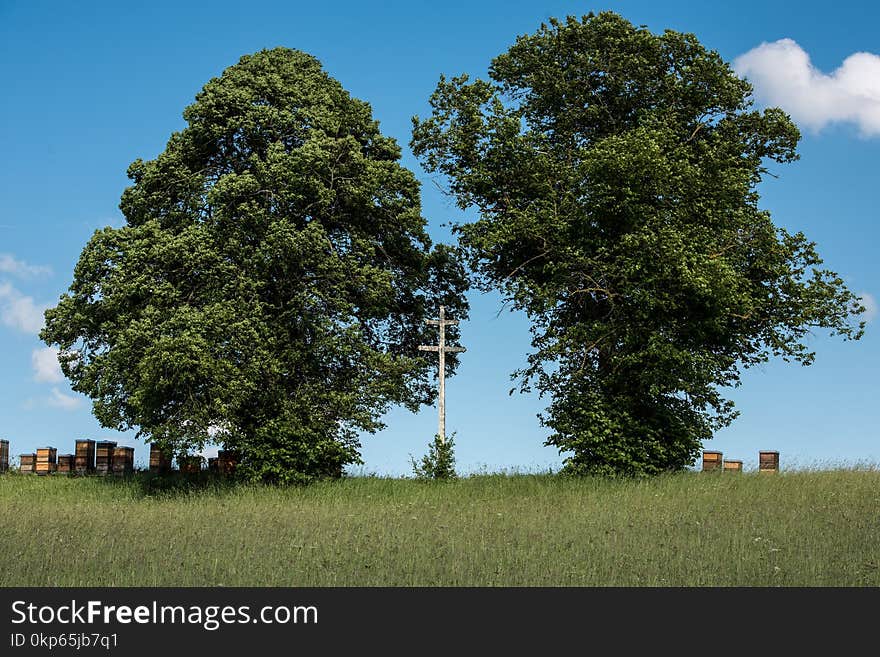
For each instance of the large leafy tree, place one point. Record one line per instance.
(615, 173)
(270, 284)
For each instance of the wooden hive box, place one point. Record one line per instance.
(104, 456)
(123, 460)
(4, 455)
(159, 460)
(768, 461)
(84, 458)
(227, 461)
(65, 463)
(47, 458)
(190, 464)
(27, 463)
(733, 466)
(212, 464)
(711, 461)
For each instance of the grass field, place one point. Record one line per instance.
(807, 528)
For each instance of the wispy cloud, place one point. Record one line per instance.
(56, 399)
(45, 364)
(19, 311)
(871, 306)
(64, 401)
(783, 75)
(9, 264)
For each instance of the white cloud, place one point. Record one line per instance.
(10, 265)
(19, 311)
(782, 75)
(57, 399)
(64, 401)
(45, 364)
(871, 306)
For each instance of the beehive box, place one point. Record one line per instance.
(104, 456)
(123, 460)
(65, 463)
(711, 461)
(227, 461)
(159, 460)
(46, 460)
(733, 466)
(27, 463)
(768, 461)
(190, 464)
(84, 459)
(4, 455)
(212, 464)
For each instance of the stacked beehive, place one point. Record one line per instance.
(768, 461)
(227, 461)
(104, 457)
(4, 455)
(191, 464)
(46, 460)
(123, 460)
(84, 459)
(159, 460)
(711, 461)
(65, 464)
(27, 463)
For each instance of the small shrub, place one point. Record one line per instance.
(439, 462)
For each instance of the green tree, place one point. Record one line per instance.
(270, 284)
(615, 172)
(439, 462)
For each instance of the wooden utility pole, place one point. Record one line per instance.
(442, 349)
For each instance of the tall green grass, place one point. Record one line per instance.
(807, 528)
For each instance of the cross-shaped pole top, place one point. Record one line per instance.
(442, 350)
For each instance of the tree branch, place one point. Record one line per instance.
(540, 255)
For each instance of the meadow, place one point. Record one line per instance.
(794, 528)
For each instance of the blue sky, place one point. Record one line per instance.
(88, 87)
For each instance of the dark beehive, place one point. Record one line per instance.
(212, 464)
(28, 463)
(227, 461)
(711, 461)
(84, 459)
(733, 466)
(123, 460)
(159, 460)
(46, 460)
(104, 456)
(190, 464)
(768, 461)
(65, 463)
(4, 455)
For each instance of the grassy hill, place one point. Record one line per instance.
(807, 528)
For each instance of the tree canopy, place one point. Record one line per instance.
(269, 287)
(615, 172)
